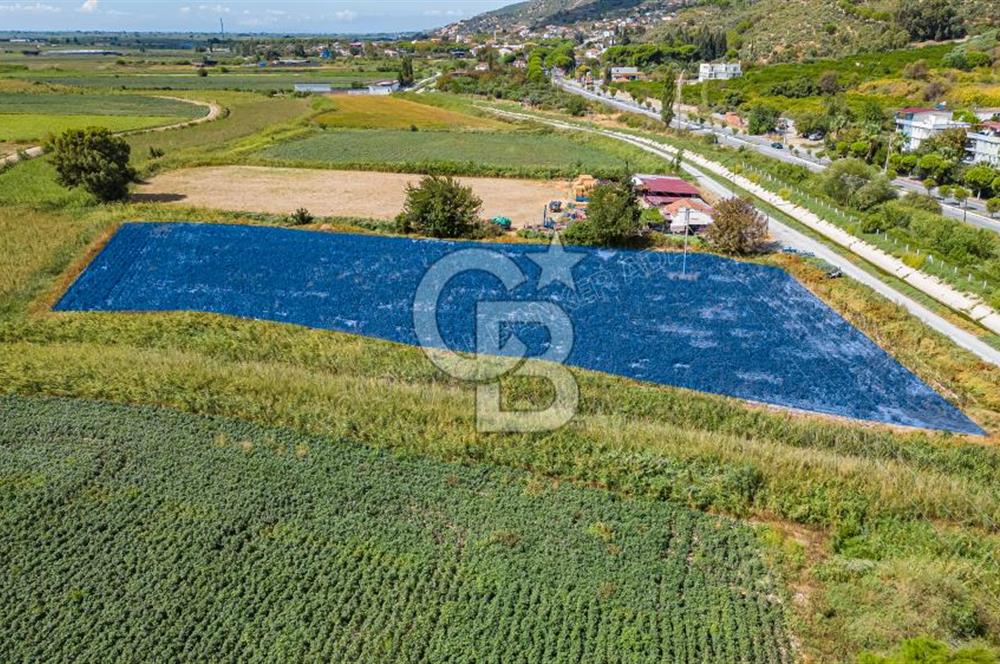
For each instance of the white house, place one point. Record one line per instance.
(719, 71)
(383, 88)
(623, 74)
(918, 124)
(314, 88)
(983, 146)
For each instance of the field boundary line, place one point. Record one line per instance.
(214, 113)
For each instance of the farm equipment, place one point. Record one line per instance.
(555, 206)
(502, 222)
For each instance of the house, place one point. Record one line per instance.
(719, 71)
(660, 191)
(625, 74)
(688, 215)
(383, 88)
(983, 145)
(916, 125)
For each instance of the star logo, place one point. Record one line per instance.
(556, 264)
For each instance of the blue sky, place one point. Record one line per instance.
(239, 15)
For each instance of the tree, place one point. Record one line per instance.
(406, 72)
(853, 183)
(614, 217)
(440, 207)
(929, 184)
(993, 206)
(668, 96)
(737, 227)
(979, 178)
(94, 159)
(829, 83)
(961, 194)
(763, 118)
(930, 20)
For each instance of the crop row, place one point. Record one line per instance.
(142, 533)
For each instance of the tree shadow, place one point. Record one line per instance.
(157, 198)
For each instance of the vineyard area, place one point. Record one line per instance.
(118, 546)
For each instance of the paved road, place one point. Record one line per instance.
(789, 237)
(975, 215)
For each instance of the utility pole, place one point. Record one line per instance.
(687, 225)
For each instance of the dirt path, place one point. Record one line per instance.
(214, 112)
(327, 193)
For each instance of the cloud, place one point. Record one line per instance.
(345, 15)
(215, 9)
(185, 10)
(28, 8)
(88, 6)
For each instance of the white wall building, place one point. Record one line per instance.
(983, 146)
(719, 71)
(383, 88)
(916, 125)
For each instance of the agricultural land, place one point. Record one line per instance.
(219, 438)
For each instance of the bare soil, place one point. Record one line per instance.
(327, 193)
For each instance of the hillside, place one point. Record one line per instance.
(554, 12)
(759, 30)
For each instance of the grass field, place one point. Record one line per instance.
(30, 126)
(475, 152)
(96, 104)
(365, 112)
(403, 558)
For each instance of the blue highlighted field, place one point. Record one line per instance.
(714, 325)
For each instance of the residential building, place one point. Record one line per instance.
(383, 88)
(688, 215)
(983, 146)
(719, 71)
(918, 124)
(625, 74)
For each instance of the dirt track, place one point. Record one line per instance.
(336, 193)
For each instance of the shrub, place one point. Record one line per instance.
(301, 217)
(853, 183)
(94, 159)
(922, 202)
(924, 650)
(737, 227)
(440, 206)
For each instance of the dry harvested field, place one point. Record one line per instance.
(336, 193)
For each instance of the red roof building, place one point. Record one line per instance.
(650, 185)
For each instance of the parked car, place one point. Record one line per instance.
(778, 146)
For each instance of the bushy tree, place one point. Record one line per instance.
(737, 227)
(853, 183)
(930, 19)
(440, 207)
(406, 72)
(979, 178)
(614, 217)
(94, 159)
(763, 118)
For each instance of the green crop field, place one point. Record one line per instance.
(471, 152)
(189, 80)
(328, 550)
(29, 126)
(96, 104)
